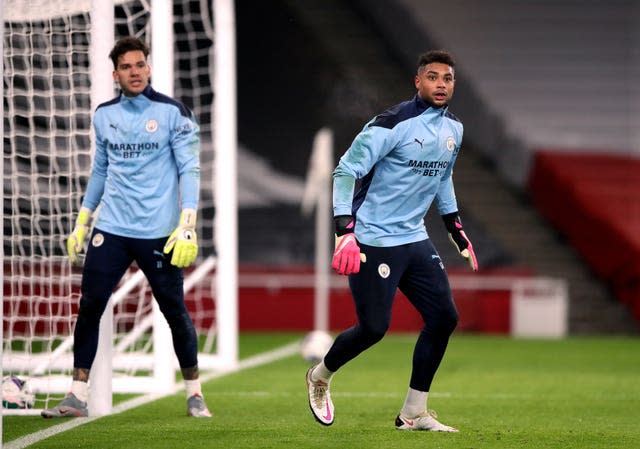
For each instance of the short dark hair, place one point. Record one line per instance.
(441, 56)
(129, 43)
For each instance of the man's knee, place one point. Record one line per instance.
(373, 333)
(180, 323)
(450, 321)
(90, 310)
(442, 324)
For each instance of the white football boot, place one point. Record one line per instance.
(320, 400)
(197, 408)
(70, 407)
(424, 421)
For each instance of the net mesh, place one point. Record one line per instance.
(47, 161)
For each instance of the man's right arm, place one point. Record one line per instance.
(92, 197)
(100, 164)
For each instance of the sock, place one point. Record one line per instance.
(320, 372)
(415, 403)
(192, 387)
(80, 390)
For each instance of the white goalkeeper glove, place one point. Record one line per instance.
(183, 240)
(75, 242)
(459, 239)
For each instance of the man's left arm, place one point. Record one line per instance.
(448, 208)
(185, 143)
(459, 239)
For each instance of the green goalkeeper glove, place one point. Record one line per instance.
(183, 240)
(75, 242)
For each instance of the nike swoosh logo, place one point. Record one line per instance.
(327, 416)
(409, 422)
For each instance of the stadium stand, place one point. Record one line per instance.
(558, 74)
(594, 199)
(348, 60)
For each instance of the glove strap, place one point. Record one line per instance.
(450, 221)
(84, 216)
(188, 218)
(344, 224)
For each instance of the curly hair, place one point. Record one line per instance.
(130, 43)
(440, 56)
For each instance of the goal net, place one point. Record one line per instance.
(47, 160)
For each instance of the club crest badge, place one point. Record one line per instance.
(384, 271)
(451, 143)
(97, 240)
(151, 126)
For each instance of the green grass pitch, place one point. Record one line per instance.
(500, 392)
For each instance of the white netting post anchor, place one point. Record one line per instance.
(540, 308)
(163, 353)
(100, 391)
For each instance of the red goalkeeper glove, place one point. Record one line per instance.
(347, 255)
(459, 239)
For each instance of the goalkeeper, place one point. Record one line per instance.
(404, 158)
(146, 179)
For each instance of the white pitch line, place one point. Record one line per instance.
(378, 394)
(251, 362)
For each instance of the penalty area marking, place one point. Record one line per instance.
(251, 362)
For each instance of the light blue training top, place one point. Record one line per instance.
(404, 158)
(146, 167)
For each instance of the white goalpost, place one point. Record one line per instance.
(56, 71)
(317, 195)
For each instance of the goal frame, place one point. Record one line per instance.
(224, 267)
